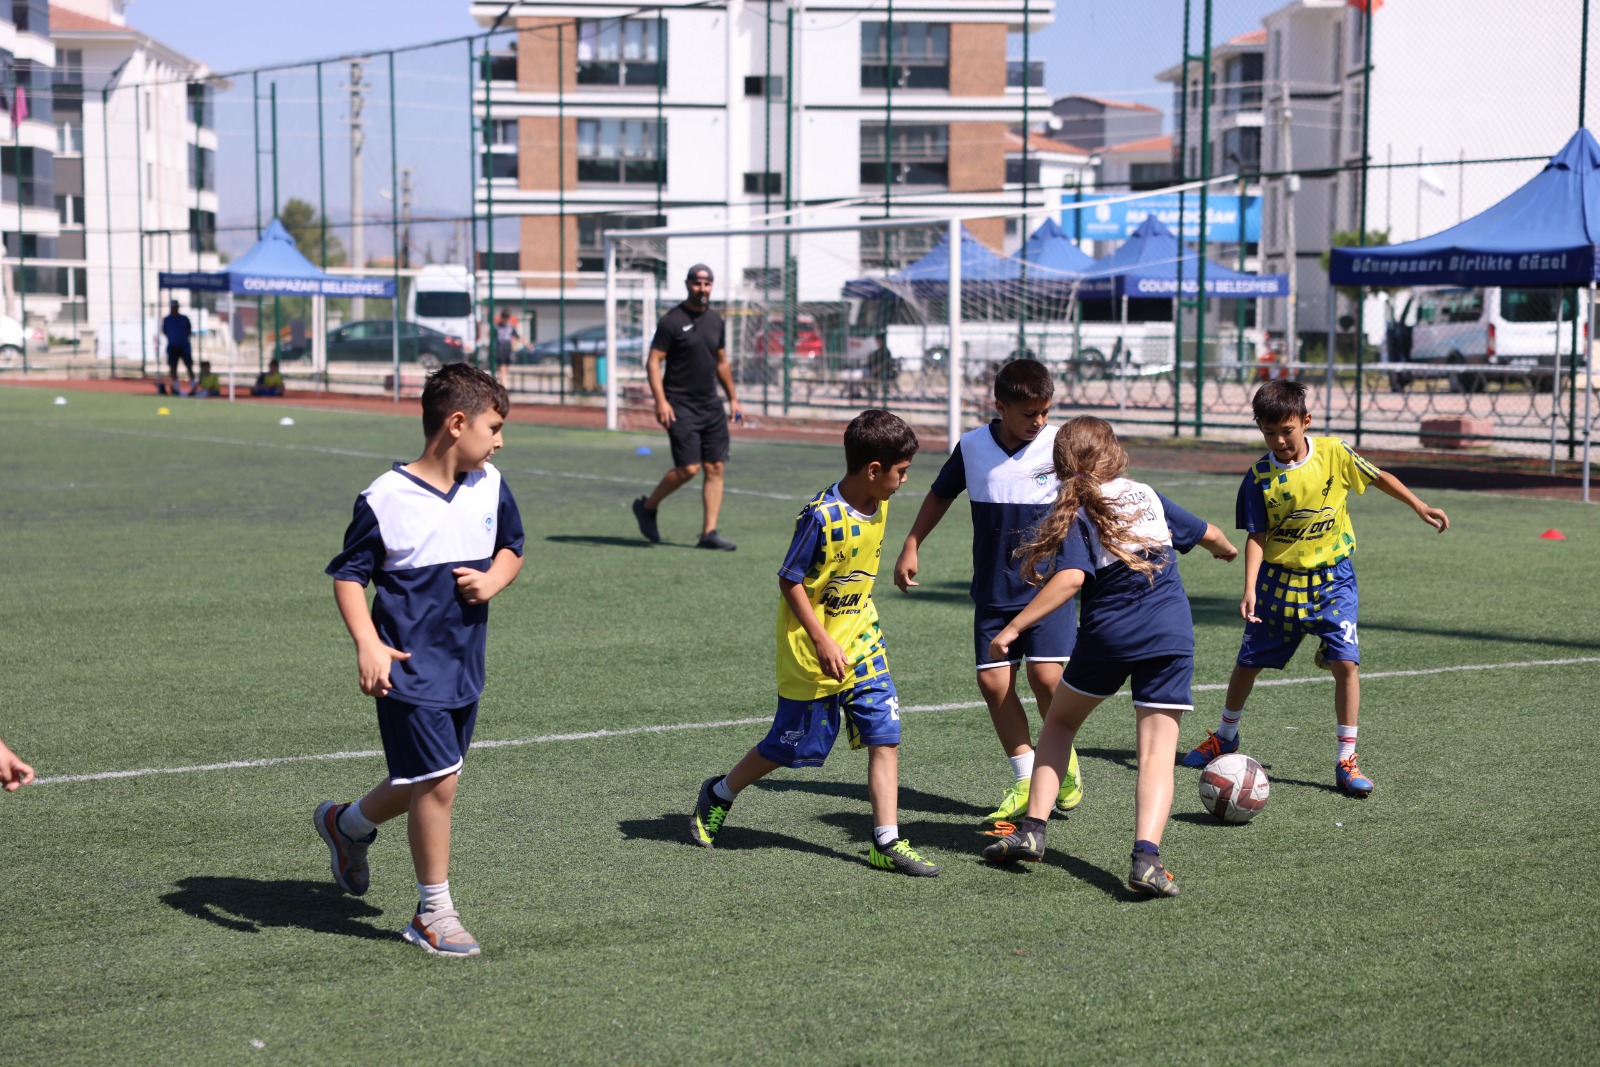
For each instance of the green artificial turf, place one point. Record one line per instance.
(162, 605)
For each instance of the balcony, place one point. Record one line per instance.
(1024, 75)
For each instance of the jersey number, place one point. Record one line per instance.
(1349, 629)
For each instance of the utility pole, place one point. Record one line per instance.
(358, 251)
(1291, 184)
(405, 215)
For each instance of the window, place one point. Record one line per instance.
(622, 52)
(38, 177)
(592, 243)
(758, 84)
(34, 246)
(202, 168)
(70, 208)
(917, 56)
(436, 304)
(36, 83)
(1241, 89)
(200, 105)
(31, 16)
(503, 131)
(1149, 175)
(500, 165)
(916, 155)
(202, 231)
(503, 66)
(69, 139)
(1536, 305)
(764, 278)
(1015, 174)
(764, 182)
(621, 151)
(893, 249)
(1241, 149)
(1020, 75)
(1354, 112)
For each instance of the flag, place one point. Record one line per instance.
(1369, 6)
(19, 110)
(1429, 179)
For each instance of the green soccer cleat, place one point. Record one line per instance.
(709, 812)
(1013, 804)
(1071, 794)
(1024, 845)
(898, 855)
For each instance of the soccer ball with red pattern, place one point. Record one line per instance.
(1234, 788)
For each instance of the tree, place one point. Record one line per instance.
(1352, 239)
(303, 224)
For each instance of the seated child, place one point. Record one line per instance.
(269, 382)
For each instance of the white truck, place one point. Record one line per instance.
(1473, 336)
(443, 297)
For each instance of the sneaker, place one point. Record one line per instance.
(1147, 876)
(1209, 749)
(1024, 845)
(898, 855)
(1349, 778)
(647, 521)
(1013, 803)
(348, 856)
(714, 540)
(440, 933)
(1071, 794)
(709, 811)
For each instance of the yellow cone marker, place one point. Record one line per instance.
(162, 411)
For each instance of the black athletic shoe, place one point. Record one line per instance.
(1149, 878)
(709, 811)
(1016, 844)
(647, 521)
(716, 541)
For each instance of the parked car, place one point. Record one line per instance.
(769, 339)
(1492, 333)
(591, 340)
(12, 340)
(373, 340)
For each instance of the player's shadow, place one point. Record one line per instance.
(249, 905)
(674, 827)
(910, 799)
(1326, 787)
(594, 541)
(1071, 865)
(1126, 758)
(938, 592)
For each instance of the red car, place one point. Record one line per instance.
(769, 341)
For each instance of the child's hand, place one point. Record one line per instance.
(475, 587)
(14, 774)
(1225, 552)
(1247, 607)
(1434, 517)
(905, 569)
(830, 657)
(372, 667)
(1001, 645)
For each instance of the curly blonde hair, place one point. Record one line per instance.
(1087, 455)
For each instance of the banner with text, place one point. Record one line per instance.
(1103, 221)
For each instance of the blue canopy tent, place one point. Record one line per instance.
(1545, 234)
(1146, 266)
(275, 267)
(1050, 247)
(929, 277)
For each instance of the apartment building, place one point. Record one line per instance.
(693, 115)
(132, 112)
(28, 163)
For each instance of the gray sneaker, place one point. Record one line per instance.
(714, 540)
(440, 933)
(1024, 845)
(1148, 877)
(347, 855)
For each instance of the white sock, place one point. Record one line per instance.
(434, 897)
(722, 791)
(885, 835)
(353, 823)
(1229, 729)
(1022, 766)
(1347, 741)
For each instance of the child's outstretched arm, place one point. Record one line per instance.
(1255, 549)
(479, 587)
(1062, 587)
(1394, 487)
(14, 774)
(1216, 542)
(373, 657)
(830, 657)
(933, 509)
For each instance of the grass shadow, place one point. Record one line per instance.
(938, 592)
(593, 541)
(674, 827)
(910, 799)
(249, 905)
(1126, 758)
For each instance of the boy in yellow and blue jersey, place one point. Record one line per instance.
(831, 659)
(1299, 572)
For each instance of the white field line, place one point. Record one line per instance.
(326, 450)
(635, 731)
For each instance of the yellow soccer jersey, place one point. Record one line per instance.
(1301, 507)
(834, 556)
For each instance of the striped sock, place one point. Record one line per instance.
(1347, 742)
(1229, 729)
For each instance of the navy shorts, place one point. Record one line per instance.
(1160, 682)
(1049, 640)
(175, 353)
(699, 432)
(421, 743)
(803, 731)
(1292, 604)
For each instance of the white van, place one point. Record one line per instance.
(1474, 335)
(443, 297)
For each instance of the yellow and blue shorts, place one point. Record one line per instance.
(1293, 604)
(803, 731)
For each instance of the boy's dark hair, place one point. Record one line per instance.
(875, 434)
(464, 388)
(1022, 380)
(1279, 400)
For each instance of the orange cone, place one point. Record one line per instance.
(1552, 535)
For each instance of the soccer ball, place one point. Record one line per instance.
(1233, 788)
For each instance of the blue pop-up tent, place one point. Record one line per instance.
(1050, 247)
(983, 273)
(1146, 266)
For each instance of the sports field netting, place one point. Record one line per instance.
(164, 607)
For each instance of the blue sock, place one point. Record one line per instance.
(1146, 846)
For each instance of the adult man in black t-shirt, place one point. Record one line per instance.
(688, 358)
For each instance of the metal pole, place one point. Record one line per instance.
(1200, 266)
(1361, 223)
(22, 246)
(953, 300)
(322, 174)
(611, 331)
(561, 217)
(255, 159)
(1183, 177)
(1583, 68)
(488, 186)
(138, 188)
(1588, 392)
(472, 193)
(111, 306)
(394, 225)
(1238, 310)
(788, 200)
(1291, 185)
(277, 207)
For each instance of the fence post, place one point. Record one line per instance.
(611, 333)
(953, 300)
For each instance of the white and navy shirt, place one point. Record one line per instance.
(408, 537)
(1010, 492)
(1122, 615)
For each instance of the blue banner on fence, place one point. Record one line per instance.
(1114, 222)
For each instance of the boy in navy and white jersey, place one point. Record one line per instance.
(1110, 541)
(1004, 468)
(439, 537)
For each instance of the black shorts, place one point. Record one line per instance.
(699, 432)
(176, 353)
